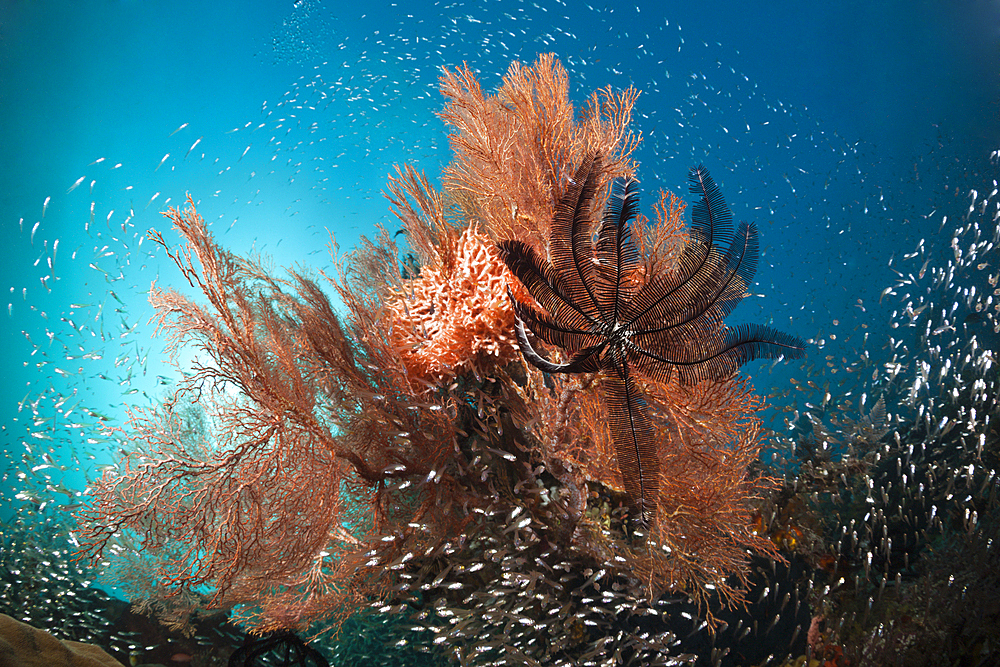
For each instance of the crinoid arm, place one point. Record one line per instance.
(634, 438)
(584, 361)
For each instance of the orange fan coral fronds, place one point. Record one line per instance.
(313, 464)
(515, 151)
(452, 320)
(512, 155)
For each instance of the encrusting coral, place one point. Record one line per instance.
(404, 455)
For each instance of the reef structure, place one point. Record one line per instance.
(404, 458)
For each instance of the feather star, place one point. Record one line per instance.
(597, 305)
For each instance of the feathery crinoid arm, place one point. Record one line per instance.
(565, 288)
(544, 284)
(720, 354)
(550, 329)
(633, 435)
(616, 256)
(570, 244)
(676, 319)
(586, 360)
(710, 269)
(711, 218)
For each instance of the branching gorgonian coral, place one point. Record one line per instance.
(402, 452)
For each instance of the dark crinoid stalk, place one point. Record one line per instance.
(609, 315)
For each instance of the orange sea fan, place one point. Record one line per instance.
(711, 437)
(515, 149)
(451, 320)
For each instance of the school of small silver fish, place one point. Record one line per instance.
(894, 414)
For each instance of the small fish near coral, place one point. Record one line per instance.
(609, 315)
(409, 452)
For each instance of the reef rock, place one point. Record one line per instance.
(24, 646)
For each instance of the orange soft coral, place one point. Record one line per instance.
(457, 318)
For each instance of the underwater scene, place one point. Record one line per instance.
(530, 332)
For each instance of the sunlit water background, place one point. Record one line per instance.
(846, 131)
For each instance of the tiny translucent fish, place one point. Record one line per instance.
(76, 184)
(162, 160)
(198, 141)
(179, 129)
(45, 205)
(97, 161)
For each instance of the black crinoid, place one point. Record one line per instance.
(609, 317)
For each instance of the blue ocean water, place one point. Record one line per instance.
(845, 130)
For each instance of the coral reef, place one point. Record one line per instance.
(891, 490)
(403, 456)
